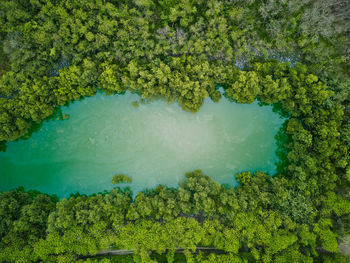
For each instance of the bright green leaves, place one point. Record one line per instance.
(23, 222)
(90, 36)
(11, 127)
(327, 238)
(71, 86)
(189, 82)
(273, 90)
(335, 205)
(109, 78)
(121, 178)
(245, 88)
(204, 191)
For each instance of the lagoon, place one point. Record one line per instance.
(154, 143)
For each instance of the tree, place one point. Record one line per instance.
(121, 178)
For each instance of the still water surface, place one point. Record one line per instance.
(154, 143)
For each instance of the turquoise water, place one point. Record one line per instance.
(153, 143)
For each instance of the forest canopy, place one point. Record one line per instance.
(292, 54)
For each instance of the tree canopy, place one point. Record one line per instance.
(292, 54)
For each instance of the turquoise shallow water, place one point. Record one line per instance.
(154, 143)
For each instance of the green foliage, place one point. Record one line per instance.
(23, 222)
(56, 52)
(121, 178)
(135, 104)
(246, 88)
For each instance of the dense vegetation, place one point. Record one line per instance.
(54, 52)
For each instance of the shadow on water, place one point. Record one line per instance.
(155, 190)
(34, 193)
(282, 140)
(34, 126)
(3, 146)
(57, 115)
(276, 108)
(125, 191)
